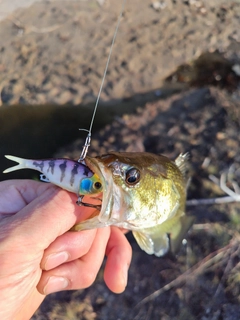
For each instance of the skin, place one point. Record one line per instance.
(39, 255)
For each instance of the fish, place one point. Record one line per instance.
(68, 174)
(145, 193)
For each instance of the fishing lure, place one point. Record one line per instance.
(67, 174)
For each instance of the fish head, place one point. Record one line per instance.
(140, 190)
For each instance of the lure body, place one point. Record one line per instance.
(65, 173)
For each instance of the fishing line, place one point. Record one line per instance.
(88, 138)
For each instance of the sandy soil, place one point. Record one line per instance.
(55, 52)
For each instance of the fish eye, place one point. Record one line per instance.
(97, 185)
(132, 176)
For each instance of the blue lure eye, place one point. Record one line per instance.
(90, 186)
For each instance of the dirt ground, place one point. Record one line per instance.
(55, 52)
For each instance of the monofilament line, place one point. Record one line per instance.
(88, 139)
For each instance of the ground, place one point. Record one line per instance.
(163, 94)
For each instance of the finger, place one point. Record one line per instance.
(79, 273)
(119, 254)
(51, 214)
(16, 194)
(67, 248)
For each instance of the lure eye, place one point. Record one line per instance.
(90, 186)
(132, 176)
(97, 185)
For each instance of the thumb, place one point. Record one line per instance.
(45, 218)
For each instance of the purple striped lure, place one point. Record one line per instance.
(68, 174)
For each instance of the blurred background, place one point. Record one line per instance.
(172, 86)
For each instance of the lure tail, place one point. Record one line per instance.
(20, 165)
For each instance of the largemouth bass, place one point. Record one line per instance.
(145, 193)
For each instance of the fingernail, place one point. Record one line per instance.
(55, 284)
(55, 259)
(125, 274)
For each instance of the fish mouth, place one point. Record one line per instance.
(104, 173)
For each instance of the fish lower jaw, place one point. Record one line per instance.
(125, 225)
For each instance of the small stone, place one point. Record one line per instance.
(221, 135)
(64, 36)
(159, 5)
(65, 97)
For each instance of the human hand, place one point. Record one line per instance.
(39, 255)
